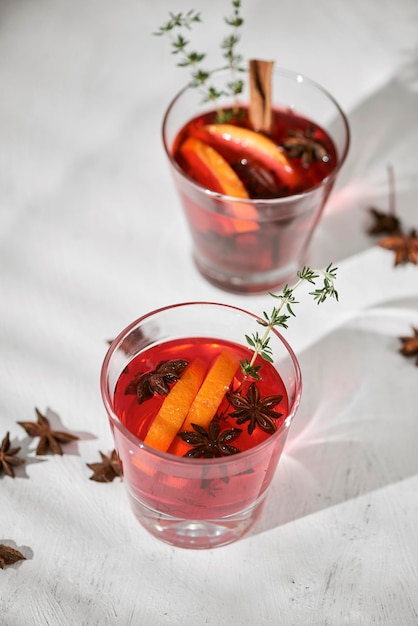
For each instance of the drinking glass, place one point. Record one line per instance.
(188, 502)
(255, 245)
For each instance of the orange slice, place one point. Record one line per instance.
(210, 168)
(175, 407)
(212, 171)
(212, 391)
(208, 398)
(247, 143)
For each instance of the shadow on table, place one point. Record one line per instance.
(357, 427)
(384, 131)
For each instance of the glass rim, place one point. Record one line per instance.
(172, 458)
(297, 77)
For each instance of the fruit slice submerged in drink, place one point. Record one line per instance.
(210, 169)
(209, 397)
(175, 407)
(194, 399)
(212, 391)
(246, 143)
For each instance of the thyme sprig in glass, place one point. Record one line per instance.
(281, 314)
(176, 29)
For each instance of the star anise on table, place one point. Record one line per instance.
(404, 246)
(304, 145)
(49, 439)
(9, 555)
(384, 223)
(254, 410)
(8, 458)
(107, 470)
(410, 345)
(388, 222)
(158, 380)
(210, 443)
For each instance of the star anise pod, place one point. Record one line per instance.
(410, 345)
(384, 223)
(251, 408)
(49, 439)
(8, 458)
(158, 380)
(404, 246)
(304, 145)
(9, 555)
(107, 470)
(210, 443)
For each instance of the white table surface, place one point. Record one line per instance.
(92, 236)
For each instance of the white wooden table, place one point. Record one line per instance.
(92, 236)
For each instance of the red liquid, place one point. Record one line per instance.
(170, 487)
(138, 417)
(260, 244)
(259, 182)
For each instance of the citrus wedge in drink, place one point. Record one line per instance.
(247, 143)
(175, 407)
(210, 169)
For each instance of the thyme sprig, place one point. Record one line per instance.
(176, 28)
(281, 314)
(229, 44)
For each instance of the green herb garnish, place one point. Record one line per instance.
(176, 28)
(278, 318)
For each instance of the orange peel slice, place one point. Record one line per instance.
(209, 397)
(248, 143)
(212, 171)
(175, 407)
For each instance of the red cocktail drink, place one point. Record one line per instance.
(215, 490)
(252, 201)
(205, 485)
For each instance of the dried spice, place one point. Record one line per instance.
(258, 180)
(158, 380)
(210, 443)
(8, 458)
(107, 470)
(304, 145)
(49, 439)
(404, 246)
(387, 223)
(9, 555)
(251, 408)
(410, 345)
(384, 223)
(260, 111)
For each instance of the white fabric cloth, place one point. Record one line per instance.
(92, 236)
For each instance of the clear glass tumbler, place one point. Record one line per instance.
(187, 502)
(253, 245)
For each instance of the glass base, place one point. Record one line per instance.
(195, 534)
(247, 283)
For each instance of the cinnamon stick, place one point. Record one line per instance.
(260, 94)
